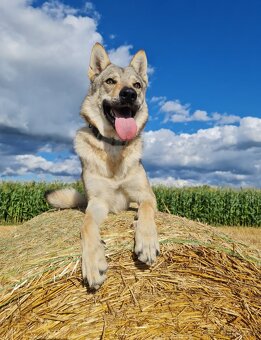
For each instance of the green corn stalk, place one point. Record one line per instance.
(217, 206)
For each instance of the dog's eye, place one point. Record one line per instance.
(110, 81)
(137, 85)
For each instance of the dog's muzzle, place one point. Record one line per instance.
(127, 95)
(121, 113)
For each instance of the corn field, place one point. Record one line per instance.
(217, 206)
(20, 202)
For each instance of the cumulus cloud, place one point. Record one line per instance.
(224, 119)
(200, 115)
(175, 106)
(58, 10)
(220, 155)
(32, 167)
(45, 53)
(121, 56)
(175, 111)
(32, 163)
(44, 59)
(171, 181)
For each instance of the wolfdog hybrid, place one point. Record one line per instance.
(110, 148)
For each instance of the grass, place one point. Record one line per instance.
(251, 235)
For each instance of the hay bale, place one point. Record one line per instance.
(204, 285)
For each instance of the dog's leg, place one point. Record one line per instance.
(146, 237)
(94, 263)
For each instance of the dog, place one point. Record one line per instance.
(110, 149)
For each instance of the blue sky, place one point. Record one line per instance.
(204, 93)
(206, 53)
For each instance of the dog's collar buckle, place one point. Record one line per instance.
(110, 141)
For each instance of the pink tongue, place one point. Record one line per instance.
(126, 128)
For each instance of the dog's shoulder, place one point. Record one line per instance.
(82, 136)
(84, 142)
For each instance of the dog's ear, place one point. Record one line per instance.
(99, 61)
(139, 63)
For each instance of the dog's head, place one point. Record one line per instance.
(116, 100)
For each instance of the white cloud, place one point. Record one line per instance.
(44, 58)
(250, 129)
(175, 107)
(220, 155)
(225, 118)
(200, 115)
(170, 181)
(177, 112)
(58, 10)
(161, 99)
(121, 56)
(174, 111)
(150, 70)
(29, 163)
(89, 9)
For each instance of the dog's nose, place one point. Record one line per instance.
(128, 95)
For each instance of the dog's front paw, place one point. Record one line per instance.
(94, 264)
(146, 243)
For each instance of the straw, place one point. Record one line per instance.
(203, 286)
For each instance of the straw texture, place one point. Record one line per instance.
(203, 286)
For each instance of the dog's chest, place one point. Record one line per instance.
(115, 164)
(106, 164)
(106, 160)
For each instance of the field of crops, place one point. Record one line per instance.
(222, 206)
(22, 201)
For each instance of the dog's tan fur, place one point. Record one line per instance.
(113, 175)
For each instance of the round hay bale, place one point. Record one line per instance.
(203, 286)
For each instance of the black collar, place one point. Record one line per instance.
(111, 141)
